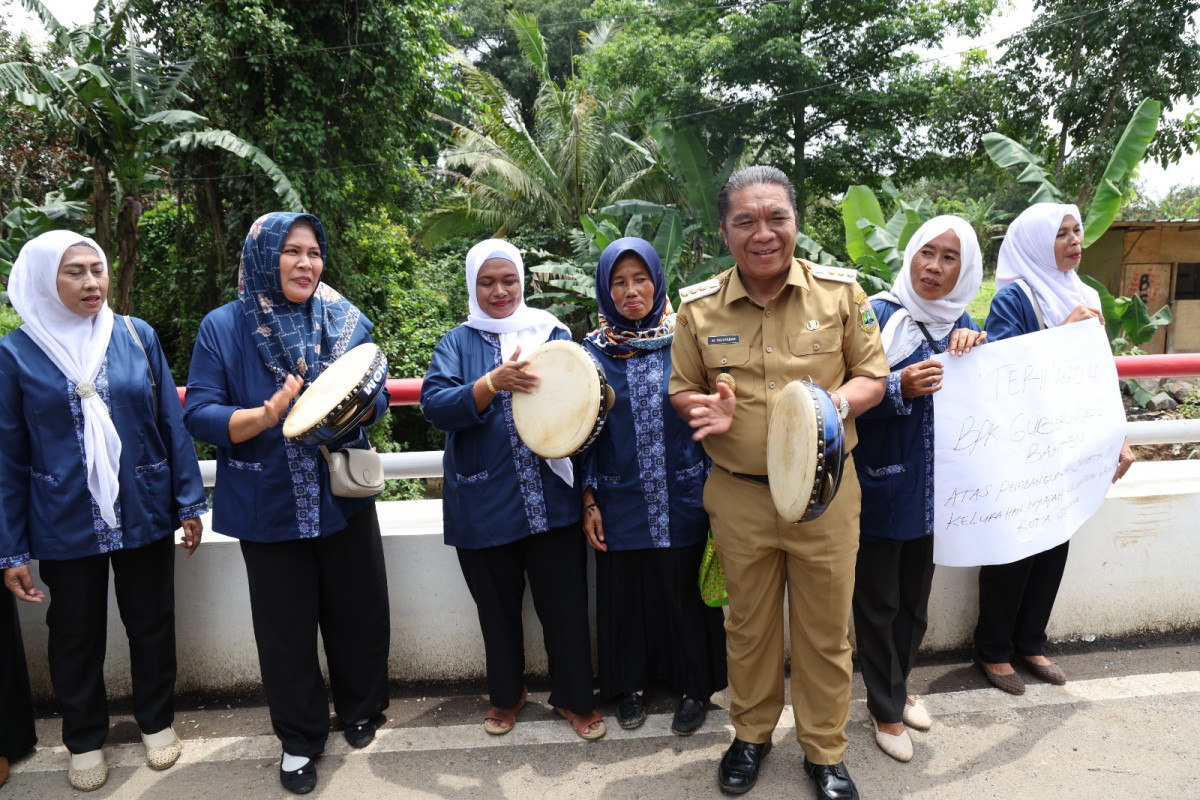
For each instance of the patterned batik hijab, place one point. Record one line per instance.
(617, 336)
(292, 338)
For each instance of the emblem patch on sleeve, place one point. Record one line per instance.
(867, 320)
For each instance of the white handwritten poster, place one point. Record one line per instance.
(1027, 432)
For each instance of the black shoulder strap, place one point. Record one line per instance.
(928, 338)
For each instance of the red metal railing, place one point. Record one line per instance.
(1176, 365)
(407, 391)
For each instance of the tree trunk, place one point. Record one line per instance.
(102, 207)
(800, 165)
(1075, 67)
(211, 208)
(127, 253)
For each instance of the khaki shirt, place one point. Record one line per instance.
(818, 328)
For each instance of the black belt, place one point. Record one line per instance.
(756, 478)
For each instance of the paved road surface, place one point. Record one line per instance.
(1127, 725)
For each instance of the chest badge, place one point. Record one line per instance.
(812, 325)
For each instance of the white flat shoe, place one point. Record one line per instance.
(163, 749)
(898, 746)
(88, 771)
(916, 716)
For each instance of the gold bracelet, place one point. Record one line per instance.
(487, 378)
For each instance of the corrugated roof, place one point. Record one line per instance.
(1155, 222)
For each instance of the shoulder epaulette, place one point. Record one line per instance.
(689, 293)
(839, 274)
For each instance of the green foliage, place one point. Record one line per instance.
(373, 263)
(492, 45)
(569, 163)
(877, 246)
(35, 153)
(27, 221)
(979, 307)
(178, 286)
(1088, 64)
(1128, 323)
(829, 92)
(124, 104)
(9, 319)
(1122, 165)
(1008, 153)
(1130, 150)
(338, 94)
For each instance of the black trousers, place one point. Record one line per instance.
(1015, 601)
(891, 614)
(17, 735)
(337, 584)
(556, 563)
(144, 579)
(652, 625)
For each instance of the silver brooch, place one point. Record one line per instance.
(85, 389)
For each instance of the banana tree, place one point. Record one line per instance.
(1106, 202)
(875, 244)
(124, 104)
(27, 221)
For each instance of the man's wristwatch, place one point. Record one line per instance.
(843, 405)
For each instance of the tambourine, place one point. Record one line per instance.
(805, 441)
(339, 398)
(566, 410)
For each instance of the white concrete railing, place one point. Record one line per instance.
(1131, 569)
(428, 464)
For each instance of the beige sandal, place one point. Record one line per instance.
(500, 721)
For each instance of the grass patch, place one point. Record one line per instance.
(978, 309)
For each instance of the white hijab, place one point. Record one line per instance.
(76, 345)
(901, 336)
(527, 327)
(1027, 253)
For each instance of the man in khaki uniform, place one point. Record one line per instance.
(739, 340)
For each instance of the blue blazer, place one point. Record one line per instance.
(1011, 314)
(485, 502)
(261, 494)
(635, 502)
(46, 511)
(894, 456)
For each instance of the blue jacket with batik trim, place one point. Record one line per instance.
(46, 510)
(268, 489)
(894, 456)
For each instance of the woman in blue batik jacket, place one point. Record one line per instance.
(925, 313)
(643, 505)
(313, 560)
(96, 470)
(508, 513)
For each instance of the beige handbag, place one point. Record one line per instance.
(354, 472)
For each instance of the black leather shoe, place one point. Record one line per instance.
(688, 717)
(631, 711)
(739, 767)
(299, 781)
(832, 780)
(358, 736)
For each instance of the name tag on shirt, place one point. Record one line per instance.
(729, 338)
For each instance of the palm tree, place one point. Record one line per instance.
(123, 102)
(574, 160)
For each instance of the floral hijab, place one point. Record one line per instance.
(615, 335)
(292, 338)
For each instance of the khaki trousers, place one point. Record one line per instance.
(762, 555)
